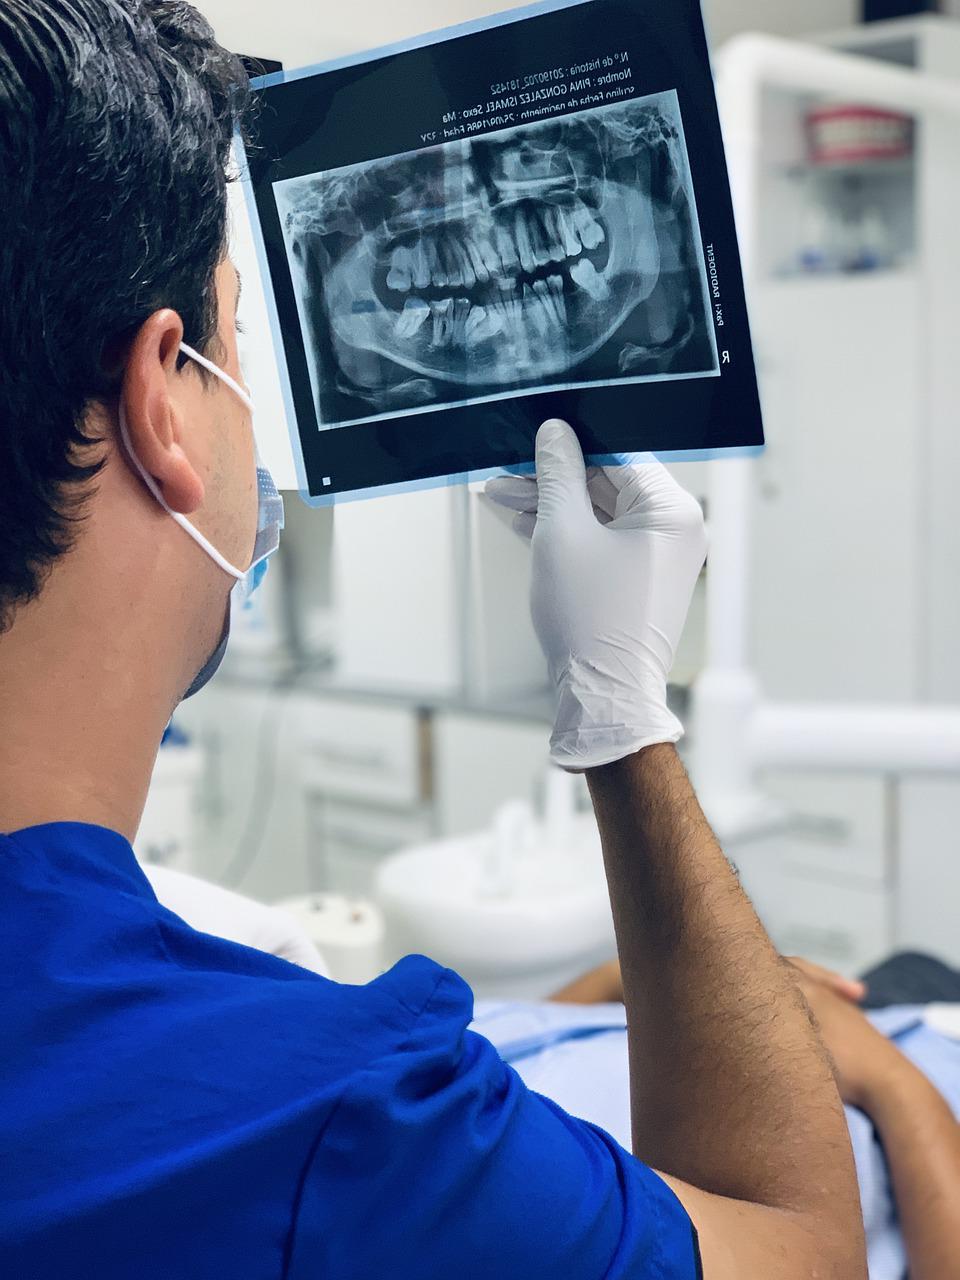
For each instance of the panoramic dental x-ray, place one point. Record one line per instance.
(558, 252)
(525, 217)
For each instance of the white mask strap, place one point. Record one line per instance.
(154, 488)
(218, 373)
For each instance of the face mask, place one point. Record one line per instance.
(269, 523)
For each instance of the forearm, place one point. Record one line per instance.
(600, 986)
(921, 1139)
(731, 1090)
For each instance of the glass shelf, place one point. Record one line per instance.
(900, 168)
(797, 275)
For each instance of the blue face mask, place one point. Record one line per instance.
(269, 523)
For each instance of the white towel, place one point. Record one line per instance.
(211, 909)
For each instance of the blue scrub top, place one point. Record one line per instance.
(172, 1105)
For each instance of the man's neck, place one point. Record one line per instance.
(85, 694)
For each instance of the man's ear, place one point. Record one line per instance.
(154, 421)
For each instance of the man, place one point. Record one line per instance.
(176, 1106)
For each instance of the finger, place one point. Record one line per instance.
(623, 476)
(521, 522)
(519, 493)
(561, 473)
(603, 494)
(503, 515)
(505, 494)
(524, 523)
(848, 988)
(639, 485)
(650, 498)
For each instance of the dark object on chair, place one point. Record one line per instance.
(881, 10)
(911, 978)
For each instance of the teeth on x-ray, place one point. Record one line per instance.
(413, 315)
(585, 274)
(513, 259)
(526, 242)
(401, 270)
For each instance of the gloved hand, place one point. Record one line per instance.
(616, 557)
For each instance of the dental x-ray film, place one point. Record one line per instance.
(520, 218)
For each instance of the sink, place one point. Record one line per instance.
(517, 911)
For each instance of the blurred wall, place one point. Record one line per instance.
(726, 18)
(300, 31)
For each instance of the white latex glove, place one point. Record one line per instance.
(616, 556)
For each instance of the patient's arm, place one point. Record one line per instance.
(922, 1142)
(918, 1130)
(602, 985)
(732, 1095)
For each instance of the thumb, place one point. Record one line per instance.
(561, 474)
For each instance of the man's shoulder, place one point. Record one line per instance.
(307, 1023)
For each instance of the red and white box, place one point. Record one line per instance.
(857, 135)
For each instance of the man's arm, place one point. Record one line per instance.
(732, 1097)
(731, 1092)
(920, 1136)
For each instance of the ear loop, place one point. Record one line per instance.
(154, 488)
(217, 372)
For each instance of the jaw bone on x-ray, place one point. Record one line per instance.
(555, 254)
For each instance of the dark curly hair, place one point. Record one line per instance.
(116, 119)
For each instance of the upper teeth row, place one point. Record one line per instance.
(497, 251)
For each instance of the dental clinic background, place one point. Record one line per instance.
(373, 756)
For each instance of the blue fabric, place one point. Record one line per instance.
(577, 1055)
(175, 1106)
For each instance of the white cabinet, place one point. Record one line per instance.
(380, 777)
(363, 750)
(856, 541)
(348, 842)
(365, 770)
(398, 566)
(252, 819)
(826, 889)
(843, 825)
(431, 597)
(837, 544)
(482, 761)
(309, 790)
(825, 917)
(928, 897)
